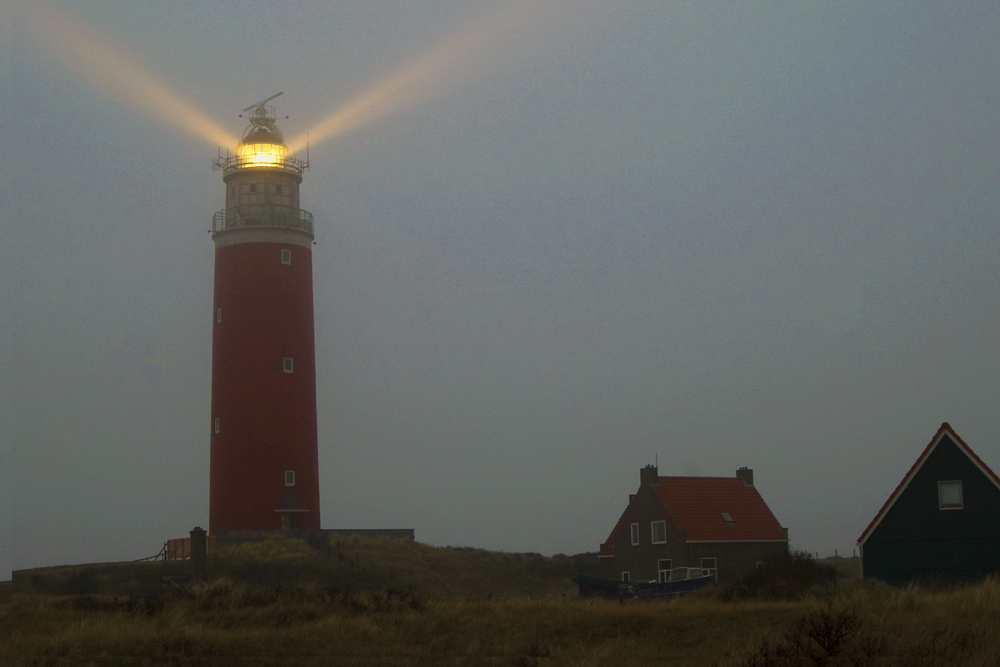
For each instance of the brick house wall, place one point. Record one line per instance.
(733, 559)
(640, 560)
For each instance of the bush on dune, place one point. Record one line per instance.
(784, 577)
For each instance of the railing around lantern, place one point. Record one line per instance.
(231, 163)
(262, 215)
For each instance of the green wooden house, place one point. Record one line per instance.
(941, 522)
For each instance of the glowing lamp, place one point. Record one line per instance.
(261, 155)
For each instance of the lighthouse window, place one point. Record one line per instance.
(286, 256)
(288, 364)
(218, 315)
(253, 187)
(277, 189)
(289, 478)
(218, 425)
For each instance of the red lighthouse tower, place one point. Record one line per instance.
(264, 461)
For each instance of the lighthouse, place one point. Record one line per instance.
(264, 460)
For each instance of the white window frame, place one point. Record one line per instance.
(663, 573)
(217, 425)
(289, 478)
(288, 364)
(652, 531)
(634, 529)
(714, 563)
(626, 576)
(950, 484)
(286, 256)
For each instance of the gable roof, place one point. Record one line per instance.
(696, 504)
(944, 430)
(608, 547)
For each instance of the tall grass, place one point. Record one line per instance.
(872, 623)
(408, 603)
(226, 622)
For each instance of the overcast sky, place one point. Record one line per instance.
(561, 241)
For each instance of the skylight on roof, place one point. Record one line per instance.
(727, 518)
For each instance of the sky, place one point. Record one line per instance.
(556, 241)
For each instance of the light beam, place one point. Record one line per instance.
(113, 71)
(514, 30)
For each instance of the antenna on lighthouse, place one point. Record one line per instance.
(260, 110)
(262, 123)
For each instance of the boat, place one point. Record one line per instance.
(676, 582)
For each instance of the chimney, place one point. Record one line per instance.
(648, 476)
(746, 474)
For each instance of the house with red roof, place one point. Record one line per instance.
(942, 521)
(720, 524)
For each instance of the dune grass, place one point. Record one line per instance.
(369, 601)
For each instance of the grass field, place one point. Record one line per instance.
(395, 602)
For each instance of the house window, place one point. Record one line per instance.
(218, 425)
(625, 576)
(287, 364)
(663, 567)
(709, 565)
(286, 256)
(635, 534)
(218, 315)
(289, 478)
(950, 495)
(659, 531)
(727, 518)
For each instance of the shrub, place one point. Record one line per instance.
(786, 576)
(819, 638)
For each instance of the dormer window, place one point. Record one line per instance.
(950, 495)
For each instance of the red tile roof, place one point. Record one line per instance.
(696, 504)
(891, 500)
